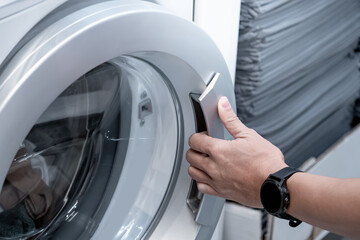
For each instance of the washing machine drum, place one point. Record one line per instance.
(108, 120)
(95, 112)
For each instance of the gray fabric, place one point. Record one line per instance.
(267, 58)
(15, 222)
(297, 74)
(321, 136)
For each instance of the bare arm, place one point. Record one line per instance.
(329, 203)
(236, 170)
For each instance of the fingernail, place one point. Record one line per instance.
(225, 103)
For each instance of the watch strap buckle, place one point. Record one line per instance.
(294, 222)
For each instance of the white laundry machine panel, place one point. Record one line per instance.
(97, 102)
(21, 15)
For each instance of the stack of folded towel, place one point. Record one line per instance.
(297, 73)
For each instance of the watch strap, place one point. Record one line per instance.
(285, 173)
(281, 176)
(293, 222)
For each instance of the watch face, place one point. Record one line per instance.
(270, 195)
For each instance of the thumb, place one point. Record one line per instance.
(230, 120)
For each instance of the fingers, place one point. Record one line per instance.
(198, 175)
(206, 188)
(198, 160)
(201, 142)
(229, 118)
(203, 181)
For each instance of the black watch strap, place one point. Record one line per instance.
(285, 173)
(281, 176)
(293, 222)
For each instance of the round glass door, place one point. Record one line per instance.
(116, 127)
(117, 133)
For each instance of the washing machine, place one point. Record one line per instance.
(97, 102)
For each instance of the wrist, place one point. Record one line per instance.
(293, 184)
(275, 196)
(273, 168)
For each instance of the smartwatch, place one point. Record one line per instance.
(275, 197)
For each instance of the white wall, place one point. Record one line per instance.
(220, 19)
(183, 8)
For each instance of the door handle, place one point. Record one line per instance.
(205, 208)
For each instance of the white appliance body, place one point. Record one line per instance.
(158, 60)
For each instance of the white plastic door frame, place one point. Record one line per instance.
(60, 54)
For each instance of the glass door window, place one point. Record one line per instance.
(120, 115)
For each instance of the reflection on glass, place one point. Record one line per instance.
(65, 172)
(56, 152)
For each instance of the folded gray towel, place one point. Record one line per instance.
(297, 72)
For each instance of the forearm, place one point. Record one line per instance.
(329, 203)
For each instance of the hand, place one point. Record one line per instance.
(234, 169)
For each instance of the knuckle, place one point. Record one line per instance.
(188, 154)
(200, 187)
(213, 171)
(251, 132)
(192, 172)
(203, 188)
(210, 170)
(204, 164)
(214, 148)
(190, 140)
(233, 119)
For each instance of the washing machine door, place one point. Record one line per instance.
(95, 113)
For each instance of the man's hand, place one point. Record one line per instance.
(234, 169)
